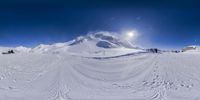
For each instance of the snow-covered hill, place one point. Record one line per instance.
(84, 69)
(192, 48)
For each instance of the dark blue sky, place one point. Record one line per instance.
(161, 23)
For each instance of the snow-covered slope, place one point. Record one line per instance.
(35, 76)
(54, 48)
(193, 48)
(119, 71)
(22, 49)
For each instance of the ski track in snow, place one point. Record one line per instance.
(145, 76)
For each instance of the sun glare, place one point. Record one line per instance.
(130, 35)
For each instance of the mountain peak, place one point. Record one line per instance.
(104, 40)
(103, 35)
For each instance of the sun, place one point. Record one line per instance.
(130, 35)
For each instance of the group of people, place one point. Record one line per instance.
(9, 52)
(153, 50)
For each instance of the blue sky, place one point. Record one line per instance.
(167, 24)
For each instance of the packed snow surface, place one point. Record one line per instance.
(76, 71)
(33, 76)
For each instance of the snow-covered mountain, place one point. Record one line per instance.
(104, 40)
(93, 44)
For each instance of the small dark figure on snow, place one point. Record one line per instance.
(156, 50)
(153, 50)
(9, 52)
